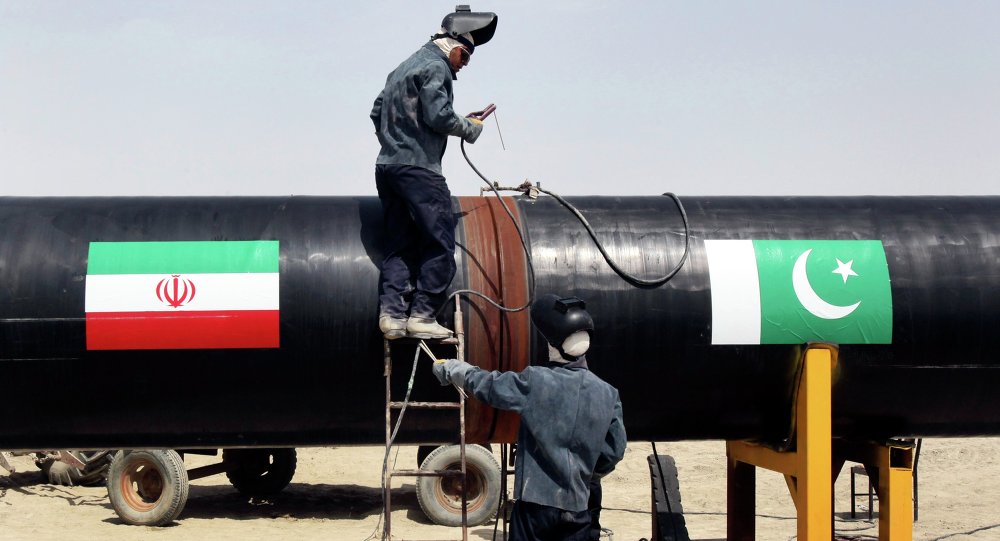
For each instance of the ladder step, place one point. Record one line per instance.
(427, 405)
(431, 341)
(425, 473)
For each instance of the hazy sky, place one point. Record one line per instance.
(137, 97)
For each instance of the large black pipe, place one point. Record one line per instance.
(323, 385)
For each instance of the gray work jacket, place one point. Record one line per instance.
(571, 428)
(413, 114)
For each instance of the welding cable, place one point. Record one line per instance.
(659, 468)
(503, 490)
(634, 280)
(392, 437)
(524, 245)
(406, 400)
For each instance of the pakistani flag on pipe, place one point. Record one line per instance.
(796, 291)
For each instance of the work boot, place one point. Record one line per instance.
(426, 328)
(392, 327)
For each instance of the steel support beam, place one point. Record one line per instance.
(811, 468)
(806, 469)
(894, 463)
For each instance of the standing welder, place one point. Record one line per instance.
(413, 118)
(571, 434)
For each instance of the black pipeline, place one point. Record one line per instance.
(930, 370)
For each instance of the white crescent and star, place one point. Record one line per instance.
(812, 301)
(844, 269)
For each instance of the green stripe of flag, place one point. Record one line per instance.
(182, 257)
(831, 290)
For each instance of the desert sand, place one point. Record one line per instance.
(335, 495)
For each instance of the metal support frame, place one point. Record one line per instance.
(892, 464)
(459, 343)
(806, 470)
(812, 467)
(869, 491)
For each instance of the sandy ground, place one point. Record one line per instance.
(335, 495)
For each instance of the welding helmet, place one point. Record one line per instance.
(564, 322)
(479, 24)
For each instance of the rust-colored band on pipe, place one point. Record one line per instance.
(497, 267)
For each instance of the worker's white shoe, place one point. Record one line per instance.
(426, 329)
(392, 327)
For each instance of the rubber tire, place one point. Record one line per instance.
(668, 513)
(424, 451)
(148, 487)
(259, 472)
(440, 498)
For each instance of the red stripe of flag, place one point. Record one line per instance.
(183, 330)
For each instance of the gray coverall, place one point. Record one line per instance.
(413, 118)
(571, 434)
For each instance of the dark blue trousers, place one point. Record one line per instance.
(419, 251)
(533, 522)
(594, 506)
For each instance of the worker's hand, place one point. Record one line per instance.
(441, 372)
(451, 371)
(472, 133)
(482, 113)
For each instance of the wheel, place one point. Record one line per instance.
(440, 498)
(259, 472)
(424, 451)
(60, 473)
(147, 487)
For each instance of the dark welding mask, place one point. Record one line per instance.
(564, 322)
(479, 24)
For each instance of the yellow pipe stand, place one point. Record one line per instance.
(894, 463)
(809, 469)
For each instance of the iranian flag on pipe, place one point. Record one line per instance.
(182, 295)
(797, 291)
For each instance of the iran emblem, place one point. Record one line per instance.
(175, 291)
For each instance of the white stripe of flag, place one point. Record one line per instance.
(732, 270)
(213, 291)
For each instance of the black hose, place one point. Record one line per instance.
(524, 245)
(634, 280)
(517, 227)
(503, 490)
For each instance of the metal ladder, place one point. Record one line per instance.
(459, 342)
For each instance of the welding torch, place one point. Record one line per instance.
(481, 115)
(430, 354)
